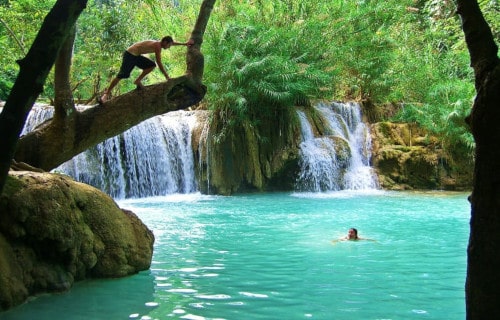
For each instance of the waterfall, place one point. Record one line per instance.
(39, 113)
(156, 157)
(318, 161)
(153, 158)
(322, 169)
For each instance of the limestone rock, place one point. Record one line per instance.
(407, 157)
(54, 231)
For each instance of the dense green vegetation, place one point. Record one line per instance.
(263, 57)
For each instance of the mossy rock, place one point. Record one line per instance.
(61, 231)
(406, 157)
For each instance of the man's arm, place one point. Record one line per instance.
(158, 61)
(188, 43)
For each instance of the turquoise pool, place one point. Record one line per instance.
(270, 256)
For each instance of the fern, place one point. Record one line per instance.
(264, 77)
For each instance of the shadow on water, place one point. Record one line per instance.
(129, 297)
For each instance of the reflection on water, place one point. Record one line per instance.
(270, 256)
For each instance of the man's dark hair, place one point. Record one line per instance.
(167, 39)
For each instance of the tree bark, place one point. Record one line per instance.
(55, 142)
(64, 104)
(34, 68)
(483, 258)
(194, 59)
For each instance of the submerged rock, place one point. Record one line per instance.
(54, 231)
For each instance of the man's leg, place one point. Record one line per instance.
(105, 96)
(128, 63)
(144, 72)
(147, 65)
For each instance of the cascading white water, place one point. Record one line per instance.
(321, 170)
(156, 157)
(150, 159)
(205, 147)
(153, 158)
(318, 161)
(39, 113)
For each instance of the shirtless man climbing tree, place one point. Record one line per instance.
(133, 57)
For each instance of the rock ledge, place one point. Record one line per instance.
(54, 231)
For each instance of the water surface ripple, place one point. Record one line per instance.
(270, 256)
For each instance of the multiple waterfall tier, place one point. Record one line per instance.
(324, 164)
(156, 157)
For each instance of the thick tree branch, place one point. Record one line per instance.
(51, 144)
(195, 60)
(34, 69)
(58, 141)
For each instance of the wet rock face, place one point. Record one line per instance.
(406, 157)
(54, 231)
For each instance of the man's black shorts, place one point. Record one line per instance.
(130, 61)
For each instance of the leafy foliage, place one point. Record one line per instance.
(19, 22)
(262, 57)
(249, 80)
(105, 29)
(439, 91)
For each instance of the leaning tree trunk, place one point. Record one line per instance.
(54, 143)
(64, 104)
(33, 71)
(483, 263)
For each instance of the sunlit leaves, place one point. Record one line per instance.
(255, 73)
(261, 57)
(20, 20)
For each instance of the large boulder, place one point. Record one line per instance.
(54, 231)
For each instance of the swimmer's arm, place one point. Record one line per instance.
(339, 240)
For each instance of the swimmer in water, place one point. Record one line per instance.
(352, 235)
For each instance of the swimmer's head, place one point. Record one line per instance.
(352, 234)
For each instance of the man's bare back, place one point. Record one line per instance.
(144, 47)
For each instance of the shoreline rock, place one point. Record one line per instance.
(55, 231)
(406, 157)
